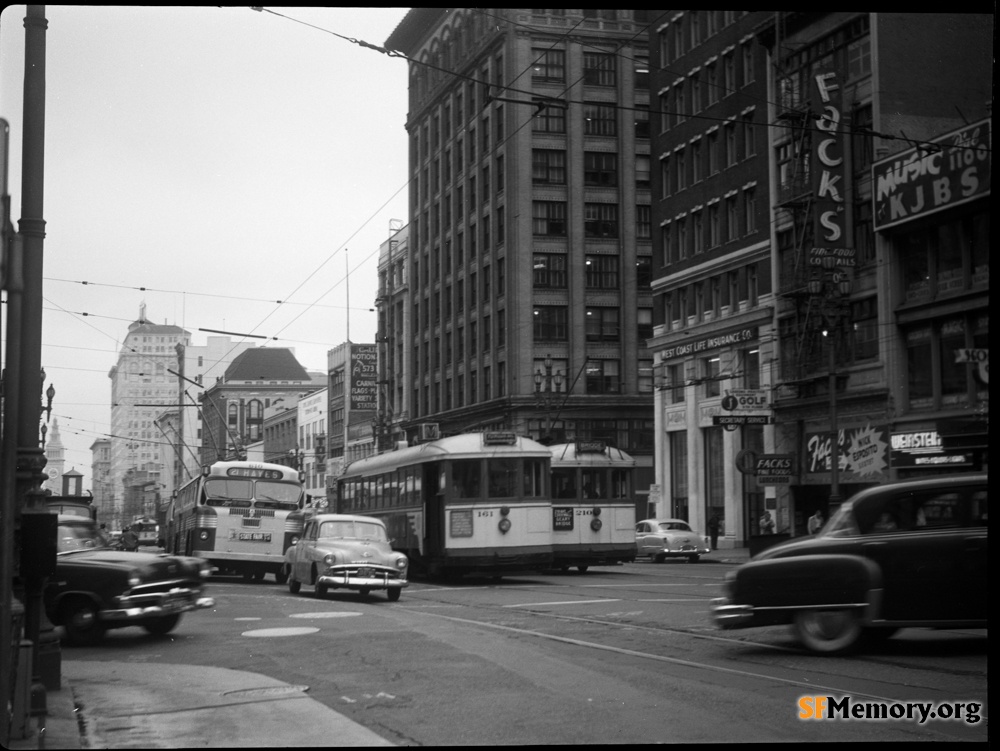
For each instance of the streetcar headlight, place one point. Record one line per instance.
(203, 535)
(595, 524)
(295, 540)
(504, 526)
(597, 510)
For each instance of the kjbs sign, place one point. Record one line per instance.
(954, 169)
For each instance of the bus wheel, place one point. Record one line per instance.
(280, 576)
(258, 576)
(163, 625)
(394, 593)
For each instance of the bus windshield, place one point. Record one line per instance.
(240, 494)
(277, 495)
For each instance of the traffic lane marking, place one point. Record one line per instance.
(559, 602)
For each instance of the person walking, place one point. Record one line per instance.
(766, 524)
(815, 523)
(130, 540)
(714, 526)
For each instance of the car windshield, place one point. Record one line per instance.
(353, 530)
(73, 537)
(674, 527)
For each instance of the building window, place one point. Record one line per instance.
(602, 324)
(696, 162)
(713, 153)
(601, 272)
(643, 225)
(548, 166)
(548, 218)
(549, 271)
(729, 72)
(711, 369)
(680, 169)
(599, 119)
(602, 377)
(600, 169)
(749, 140)
(598, 69)
(714, 226)
(641, 114)
(698, 231)
(748, 72)
(552, 119)
(859, 58)
(750, 209)
(550, 323)
(600, 220)
(644, 323)
(549, 66)
(731, 153)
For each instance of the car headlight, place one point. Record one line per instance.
(330, 559)
(134, 580)
(401, 563)
(205, 570)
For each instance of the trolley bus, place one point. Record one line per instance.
(593, 505)
(147, 529)
(240, 516)
(470, 503)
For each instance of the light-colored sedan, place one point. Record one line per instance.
(669, 538)
(339, 551)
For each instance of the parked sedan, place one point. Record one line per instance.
(96, 588)
(669, 538)
(911, 553)
(339, 551)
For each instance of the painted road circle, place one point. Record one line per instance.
(326, 614)
(265, 632)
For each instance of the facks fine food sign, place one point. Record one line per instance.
(364, 377)
(953, 169)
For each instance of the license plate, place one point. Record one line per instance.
(250, 536)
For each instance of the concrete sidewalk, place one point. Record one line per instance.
(155, 705)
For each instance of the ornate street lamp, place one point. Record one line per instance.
(544, 392)
(829, 290)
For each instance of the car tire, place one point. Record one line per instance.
(294, 585)
(829, 631)
(657, 557)
(393, 593)
(281, 576)
(582, 569)
(694, 558)
(162, 625)
(80, 617)
(320, 590)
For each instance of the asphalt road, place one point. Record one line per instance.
(620, 654)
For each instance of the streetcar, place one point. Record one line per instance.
(475, 503)
(593, 505)
(147, 529)
(240, 516)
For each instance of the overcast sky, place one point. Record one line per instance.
(221, 158)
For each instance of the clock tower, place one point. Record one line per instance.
(55, 465)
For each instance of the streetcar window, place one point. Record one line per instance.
(620, 483)
(534, 478)
(502, 477)
(465, 478)
(564, 483)
(593, 483)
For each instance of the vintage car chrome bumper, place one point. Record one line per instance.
(727, 615)
(139, 607)
(362, 577)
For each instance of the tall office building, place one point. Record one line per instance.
(714, 303)
(529, 253)
(143, 388)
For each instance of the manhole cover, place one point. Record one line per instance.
(269, 691)
(264, 632)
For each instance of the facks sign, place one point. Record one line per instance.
(953, 169)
